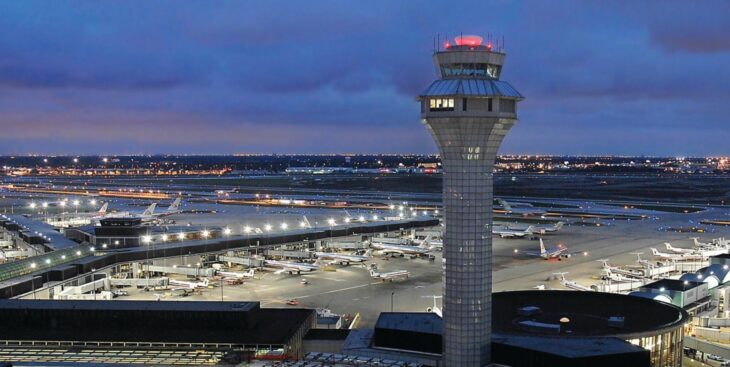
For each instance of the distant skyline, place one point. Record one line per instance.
(138, 77)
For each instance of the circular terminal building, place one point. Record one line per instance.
(572, 316)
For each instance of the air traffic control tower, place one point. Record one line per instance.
(468, 111)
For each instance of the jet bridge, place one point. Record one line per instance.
(184, 270)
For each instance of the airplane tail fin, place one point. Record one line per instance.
(696, 241)
(206, 282)
(175, 205)
(424, 242)
(530, 229)
(559, 225)
(668, 246)
(250, 272)
(306, 222)
(103, 209)
(654, 252)
(150, 210)
(373, 273)
(542, 247)
(369, 253)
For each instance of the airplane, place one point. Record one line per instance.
(236, 275)
(557, 252)
(226, 192)
(181, 284)
(389, 249)
(174, 208)
(146, 214)
(642, 262)
(435, 309)
(705, 252)
(434, 243)
(572, 284)
(717, 243)
(343, 259)
(510, 233)
(149, 213)
(666, 256)
(524, 209)
(540, 228)
(428, 241)
(291, 267)
(390, 276)
(677, 250)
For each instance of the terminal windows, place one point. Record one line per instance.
(442, 104)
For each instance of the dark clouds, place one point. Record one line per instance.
(337, 76)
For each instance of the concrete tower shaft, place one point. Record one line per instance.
(468, 112)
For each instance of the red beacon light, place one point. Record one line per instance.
(468, 40)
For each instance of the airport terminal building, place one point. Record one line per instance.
(149, 332)
(545, 329)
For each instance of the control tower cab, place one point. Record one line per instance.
(469, 84)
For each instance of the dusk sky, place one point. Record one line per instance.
(223, 77)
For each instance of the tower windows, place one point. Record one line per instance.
(489, 104)
(463, 104)
(441, 104)
(507, 105)
(470, 69)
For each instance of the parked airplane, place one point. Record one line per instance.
(642, 262)
(182, 284)
(539, 228)
(390, 276)
(174, 208)
(557, 252)
(146, 214)
(236, 275)
(524, 209)
(390, 249)
(572, 284)
(149, 214)
(666, 256)
(291, 267)
(717, 243)
(703, 251)
(343, 259)
(506, 232)
(678, 250)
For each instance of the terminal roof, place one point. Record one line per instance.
(129, 305)
(55, 239)
(672, 284)
(420, 322)
(569, 347)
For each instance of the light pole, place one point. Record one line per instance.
(392, 297)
